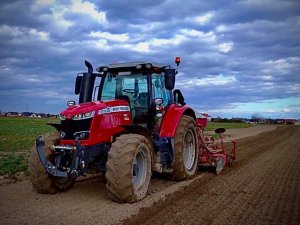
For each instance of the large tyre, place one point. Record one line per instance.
(41, 181)
(128, 168)
(185, 160)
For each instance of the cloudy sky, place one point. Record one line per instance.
(239, 58)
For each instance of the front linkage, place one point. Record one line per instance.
(73, 161)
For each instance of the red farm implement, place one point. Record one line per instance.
(213, 152)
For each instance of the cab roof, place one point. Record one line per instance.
(132, 66)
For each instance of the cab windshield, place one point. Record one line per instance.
(133, 86)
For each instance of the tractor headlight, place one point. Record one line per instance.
(83, 116)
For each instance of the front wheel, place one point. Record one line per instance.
(129, 168)
(185, 158)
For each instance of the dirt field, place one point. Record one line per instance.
(263, 187)
(238, 133)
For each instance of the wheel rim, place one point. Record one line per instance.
(189, 151)
(139, 168)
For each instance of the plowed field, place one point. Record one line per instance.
(262, 187)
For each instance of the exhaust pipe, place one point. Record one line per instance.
(89, 66)
(87, 85)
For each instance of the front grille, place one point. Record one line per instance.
(69, 127)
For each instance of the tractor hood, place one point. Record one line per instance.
(95, 107)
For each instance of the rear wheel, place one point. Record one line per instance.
(185, 149)
(41, 181)
(129, 168)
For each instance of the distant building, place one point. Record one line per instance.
(279, 121)
(204, 115)
(12, 114)
(27, 114)
(290, 121)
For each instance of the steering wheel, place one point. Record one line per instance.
(131, 91)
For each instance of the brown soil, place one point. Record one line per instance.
(263, 187)
(249, 131)
(238, 133)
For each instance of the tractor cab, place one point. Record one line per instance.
(145, 86)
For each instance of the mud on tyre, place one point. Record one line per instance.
(41, 181)
(185, 158)
(128, 167)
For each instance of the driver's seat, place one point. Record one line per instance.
(142, 100)
(126, 97)
(131, 103)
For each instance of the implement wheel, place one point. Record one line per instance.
(41, 181)
(185, 161)
(220, 164)
(128, 168)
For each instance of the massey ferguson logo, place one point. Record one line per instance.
(114, 109)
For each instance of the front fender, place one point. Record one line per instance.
(172, 118)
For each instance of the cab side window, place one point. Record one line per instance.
(109, 89)
(159, 90)
(142, 99)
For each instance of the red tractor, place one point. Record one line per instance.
(128, 123)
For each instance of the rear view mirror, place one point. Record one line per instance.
(78, 84)
(71, 103)
(170, 79)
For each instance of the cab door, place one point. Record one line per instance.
(141, 103)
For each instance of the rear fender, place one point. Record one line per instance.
(172, 118)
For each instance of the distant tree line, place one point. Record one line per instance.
(255, 119)
(226, 120)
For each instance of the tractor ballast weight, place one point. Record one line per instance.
(135, 124)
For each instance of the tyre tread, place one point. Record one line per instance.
(119, 164)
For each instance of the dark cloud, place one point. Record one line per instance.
(251, 10)
(233, 52)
